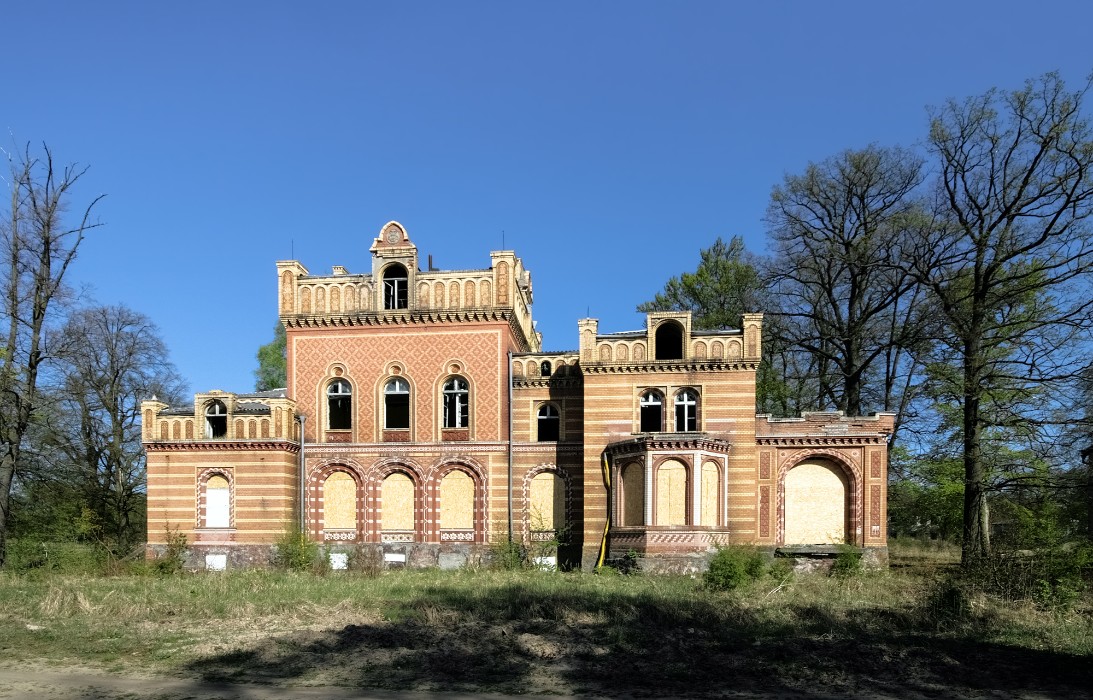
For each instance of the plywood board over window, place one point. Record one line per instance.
(816, 504)
(672, 494)
(711, 487)
(398, 502)
(457, 501)
(547, 508)
(340, 502)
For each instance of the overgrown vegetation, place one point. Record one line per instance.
(547, 632)
(296, 551)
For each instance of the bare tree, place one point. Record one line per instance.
(113, 359)
(843, 298)
(1008, 261)
(37, 247)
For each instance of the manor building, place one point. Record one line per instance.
(423, 419)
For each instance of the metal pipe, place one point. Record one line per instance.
(508, 374)
(303, 473)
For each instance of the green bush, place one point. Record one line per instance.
(507, 555)
(295, 551)
(174, 555)
(847, 562)
(31, 554)
(732, 567)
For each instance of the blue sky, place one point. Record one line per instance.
(605, 142)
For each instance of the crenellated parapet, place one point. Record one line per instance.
(396, 287)
(669, 338)
(221, 417)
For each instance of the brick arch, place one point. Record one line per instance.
(374, 476)
(689, 475)
(567, 482)
(202, 479)
(851, 470)
(436, 475)
(317, 478)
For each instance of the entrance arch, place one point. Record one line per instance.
(817, 504)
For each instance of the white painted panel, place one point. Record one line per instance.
(216, 562)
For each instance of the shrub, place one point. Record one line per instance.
(507, 555)
(295, 551)
(732, 567)
(173, 559)
(366, 559)
(847, 562)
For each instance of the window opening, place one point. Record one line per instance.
(669, 341)
(455, 403)
(395, 282)
(216, 420)
(652, 412)
(686, 416)
(545, 369)
(396, 400)
(339, 402)
(549, 424)
(217, 502)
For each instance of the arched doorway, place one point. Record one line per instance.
(817, 504)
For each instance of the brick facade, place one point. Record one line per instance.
(433, 420)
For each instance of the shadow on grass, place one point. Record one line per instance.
(520, 639)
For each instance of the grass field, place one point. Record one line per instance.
(906, 632)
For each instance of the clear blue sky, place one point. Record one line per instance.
(609, 141)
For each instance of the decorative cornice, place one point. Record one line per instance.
(547, 383)
(820, 440)
(667, 366)
(674, 442)
(222, 446)
(409, 317)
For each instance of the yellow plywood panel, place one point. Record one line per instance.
(671, 494)
(457, 501)
(216, 482)
(816, 504)
(398, 502)
(711, 485)
(547, 511)
(340, 502)
(633, 495)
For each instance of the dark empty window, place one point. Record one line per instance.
(651, 408)
(396, 404)
(669, 341)
(686, 411)
(549, 423)
(216, 420)
(456, 403)
(395, 287)
(339, 401)
(545, 369)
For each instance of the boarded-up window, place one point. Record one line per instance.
(711, 486)
(398, 502)
(547, 508)
(217, 502)
(633, 495)
(816, 504)
(340, 502)
(671, 494)
(457, 501)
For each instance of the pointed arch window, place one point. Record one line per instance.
(686, 411)
(456, 403)
(395, 286)
(549, 423)
(216, 420)
(396, 404)
(651, 410)
(339, 404)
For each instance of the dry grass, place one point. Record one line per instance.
(522, 632)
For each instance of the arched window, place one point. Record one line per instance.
(396, 404)
(217, 502)
(456, 403)
(339, 404)
(549, 423)
(216, 420)
(633, 494)
(395, 282)
(545, 368)
(686, 411)
(651, 408)
(669, 341)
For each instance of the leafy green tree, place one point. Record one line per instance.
(1008, 261)
(272, 369)
(725, 285)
